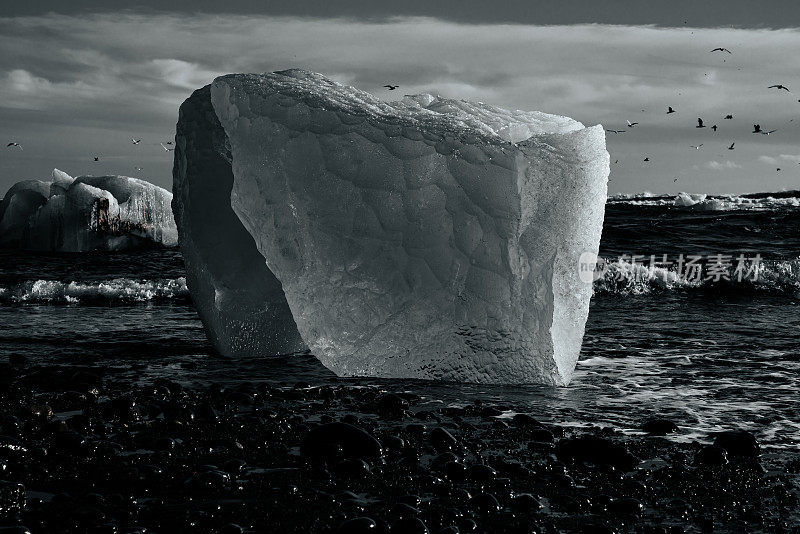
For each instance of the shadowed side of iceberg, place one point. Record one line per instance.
(239, 300)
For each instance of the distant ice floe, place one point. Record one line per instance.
(706, 202)
(87, 213)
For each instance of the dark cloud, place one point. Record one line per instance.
(675, 13)
(74, 86)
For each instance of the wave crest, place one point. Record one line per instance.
(621, 277)
(116, 290)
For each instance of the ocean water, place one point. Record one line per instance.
(710, 354)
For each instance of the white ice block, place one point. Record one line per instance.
(427, 238)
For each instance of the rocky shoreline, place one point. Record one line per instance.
(84, 448)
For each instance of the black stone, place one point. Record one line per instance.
(596, 450)
(358, 525)
(411, 525)
(738, 443)
(712, 455)
(442, 440)
(659, 427)
(12, 498)
(484, 503)
(353, 441)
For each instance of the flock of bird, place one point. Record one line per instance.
(700, 123)
(168, 146)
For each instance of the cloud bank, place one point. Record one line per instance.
(74, 87)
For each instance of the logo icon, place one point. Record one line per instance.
(590, 267)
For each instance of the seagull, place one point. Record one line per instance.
(14, 144)
(779, 86)
(167, 148)
(696, 147)
(646, 159)
(135, 141)
(391, 87)
(670, 110)
(699, 123)
(616, 131)
(728, 116)
(714, 127)
(632, 124)
(720, 49)
(731, 147)
(97, 158)
(769, 132)
(756, 128)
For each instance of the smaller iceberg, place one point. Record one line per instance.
(68, 214)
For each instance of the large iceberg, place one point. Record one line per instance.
(86, 213)
(428, 237)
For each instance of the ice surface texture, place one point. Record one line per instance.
(86, 213)
(426, 238)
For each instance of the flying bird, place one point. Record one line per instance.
(778, 86)
(391, 87)
(139, 168)
(756, 128)
(135, 141)
(14, 144)
(632, 124)
(699, 123)
(731, 147)
(714, 127)
(720, 49)
(646, 159)
(616, 131)
(167, 148)
(97, 158)
(696, 147)
(670, 110)
(728, 117)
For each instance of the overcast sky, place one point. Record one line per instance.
(81, 81)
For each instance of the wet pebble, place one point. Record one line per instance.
(596, 450)
(442, 440)
(738, 443)
(358, 525)
(712, 455)
(410, 525)
(352, 441)
(659, 427)
(484, 503)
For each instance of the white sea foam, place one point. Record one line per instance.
(117, 289)
(621, 277)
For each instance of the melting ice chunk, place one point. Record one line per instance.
(86, 213)
(428, 238)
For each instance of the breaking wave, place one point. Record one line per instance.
(115, 290)
(704, 202)
(624, 278)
